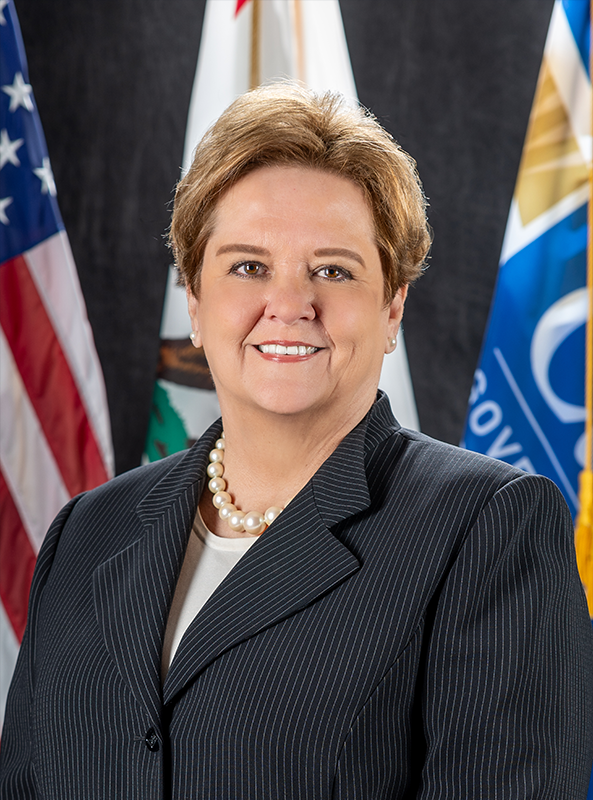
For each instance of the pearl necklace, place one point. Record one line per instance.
(253, 522)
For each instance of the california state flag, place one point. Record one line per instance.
(245, 43)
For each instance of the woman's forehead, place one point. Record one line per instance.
(293, 194)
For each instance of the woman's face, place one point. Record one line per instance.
(291, 310)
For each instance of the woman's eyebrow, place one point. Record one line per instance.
(242, 248)
(340, 251)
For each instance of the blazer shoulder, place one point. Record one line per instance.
(432, 465)
(441, 475)
(439, 456)
(112, 508)
(133, 485)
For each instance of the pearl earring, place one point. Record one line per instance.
(393, 342)
(192, 335)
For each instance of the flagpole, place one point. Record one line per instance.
(254, 70)
(300, 44)
(584, 523)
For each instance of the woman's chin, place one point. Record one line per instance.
(286, 400)
(288, 406)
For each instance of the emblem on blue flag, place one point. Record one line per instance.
(527, 403)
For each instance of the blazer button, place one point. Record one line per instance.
(151, 740)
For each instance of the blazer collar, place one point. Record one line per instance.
(295, 561)
(340, 485)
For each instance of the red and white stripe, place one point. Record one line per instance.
(55, 436)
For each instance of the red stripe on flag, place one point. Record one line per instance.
(47, 378)
(17, 561)
(240, 3)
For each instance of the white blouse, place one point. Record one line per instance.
(208, 560)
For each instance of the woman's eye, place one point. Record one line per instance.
(334, 273)
(248, 268)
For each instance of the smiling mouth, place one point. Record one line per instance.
(287, 350)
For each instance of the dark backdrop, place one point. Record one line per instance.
(453, 81)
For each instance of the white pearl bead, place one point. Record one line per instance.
(221, 498)
(215, 470)
(217, 485)
(254, 522)
(236, 520)
(226, 511)
(271, 514)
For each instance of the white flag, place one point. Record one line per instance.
(245, 43)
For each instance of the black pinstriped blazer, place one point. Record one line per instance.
(412, 626)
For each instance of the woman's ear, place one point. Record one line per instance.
(396, 311)
(192, 307)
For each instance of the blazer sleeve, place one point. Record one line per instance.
(17, 771)
(508, 687)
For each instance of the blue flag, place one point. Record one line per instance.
(527, 402)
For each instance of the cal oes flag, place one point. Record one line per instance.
(55, 436)
(527, 404)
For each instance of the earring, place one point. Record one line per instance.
(393, 342)
(192, 335)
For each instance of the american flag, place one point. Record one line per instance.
(55, 436)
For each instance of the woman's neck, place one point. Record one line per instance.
(269, 458)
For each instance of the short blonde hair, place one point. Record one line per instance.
(286, 124)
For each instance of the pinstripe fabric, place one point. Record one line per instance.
(412, 626)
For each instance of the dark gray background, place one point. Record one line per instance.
(453, 80)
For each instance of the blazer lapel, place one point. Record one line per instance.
(133, 590)
(294, 562)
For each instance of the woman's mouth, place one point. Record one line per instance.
(287, 350)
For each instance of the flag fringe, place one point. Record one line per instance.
(584, 522)
(584, 535)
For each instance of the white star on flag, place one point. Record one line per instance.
(19, 92)
(46, 177)
(5, 201)
(8, 148)
(3, 4)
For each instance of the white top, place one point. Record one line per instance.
(208, 560)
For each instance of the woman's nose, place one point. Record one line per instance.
(290, 301)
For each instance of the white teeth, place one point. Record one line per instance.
(282, 350)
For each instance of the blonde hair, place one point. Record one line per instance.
(286, 124)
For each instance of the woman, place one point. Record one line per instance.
(404, 620)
